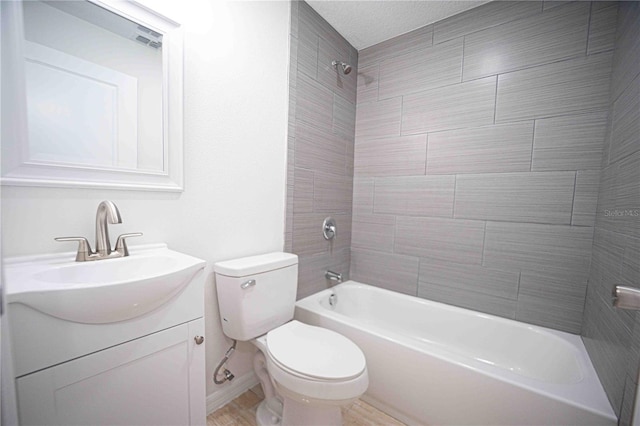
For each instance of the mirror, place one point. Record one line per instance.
(102, 97)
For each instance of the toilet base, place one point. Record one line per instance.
(269, 412)
(297, 413)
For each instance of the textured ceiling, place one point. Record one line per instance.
(365, 23)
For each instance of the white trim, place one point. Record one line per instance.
(230, 391)
(17, 170)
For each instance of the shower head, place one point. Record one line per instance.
(346, 68)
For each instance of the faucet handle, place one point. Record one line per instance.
(121, 244)
(84, 249)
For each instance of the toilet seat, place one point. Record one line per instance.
(315, 363)
(314, 352)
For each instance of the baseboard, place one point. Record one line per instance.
(230, 390)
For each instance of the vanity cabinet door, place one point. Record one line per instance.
(147, 381)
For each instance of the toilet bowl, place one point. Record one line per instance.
(308, 373)
(315, 372)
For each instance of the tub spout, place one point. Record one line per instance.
(333, 276)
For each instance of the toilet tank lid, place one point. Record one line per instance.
(255, 264)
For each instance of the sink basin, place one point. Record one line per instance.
(103, 291)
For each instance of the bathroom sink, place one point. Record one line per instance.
(102, 291)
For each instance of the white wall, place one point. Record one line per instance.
(236, 62)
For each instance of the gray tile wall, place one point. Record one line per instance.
(478, 143)
(320, 156)
(612, 336)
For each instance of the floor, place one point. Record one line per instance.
(242, 412)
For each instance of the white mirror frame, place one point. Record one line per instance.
(17, 170)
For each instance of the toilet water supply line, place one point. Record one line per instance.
(227, 374)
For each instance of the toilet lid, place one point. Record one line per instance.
(315, 352)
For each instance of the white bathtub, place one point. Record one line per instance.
(435, 364)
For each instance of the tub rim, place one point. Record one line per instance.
(578, 394)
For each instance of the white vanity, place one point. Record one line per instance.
(112, 337)
(114, 342)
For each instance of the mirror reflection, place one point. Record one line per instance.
(94, 84)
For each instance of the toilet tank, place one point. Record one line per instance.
(256, 294)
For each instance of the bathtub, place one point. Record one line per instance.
(434, 364)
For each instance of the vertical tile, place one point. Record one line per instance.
(502, 148)
(626, 61)
(379, 119)
(302, 192)
(474, 278)
(373, 232)
(385, 270)
(602, 29)
(557, 34)
(431, 67)
(516, 197)
(628, 402)
(462, 105)
(412, 41)
(294, 18)
(555, 89)
(350, 154)
(608, 255)
(631, 262)
(456, 240)
(314, 103)
(294, 45)
(307, 52)
(485, 16)
(396, 156)
(310, 19)
(344, 117)
(367, 90)
(606, 196)
(585, 200)
(572, 142)
(627, 216)
(362, 195)
(332, 193)
(415, 195)
(307, 234)
(535, 247)
(625, 135)
(342, 241)
(551, 301)
(608, 349)
(319, 150)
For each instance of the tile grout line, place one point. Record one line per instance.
(495, 100)
(573, 200)
(586, 49)
(484, 238)
(464, 38)
(533, 141)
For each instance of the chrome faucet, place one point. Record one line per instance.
(107, 213)
(337, 277)
(333, 276)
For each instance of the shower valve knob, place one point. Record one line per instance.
(199, 340)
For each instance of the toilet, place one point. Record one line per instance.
(307, 373)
